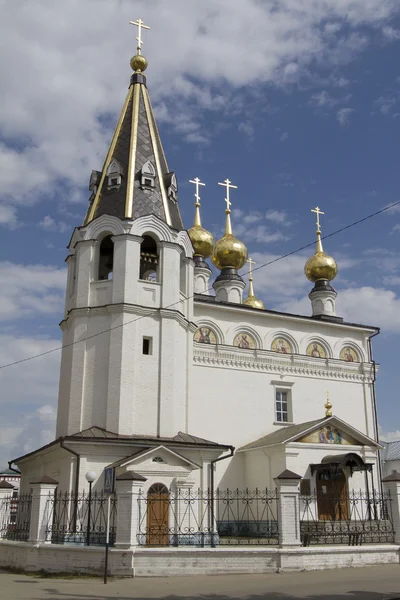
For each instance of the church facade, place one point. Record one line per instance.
(185, 381)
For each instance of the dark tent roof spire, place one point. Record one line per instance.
(135, 180)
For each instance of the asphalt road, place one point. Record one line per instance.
(372, 583)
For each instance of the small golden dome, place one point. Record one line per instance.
(320, 265)
(254, 302)
(138, 63)
(202, 241)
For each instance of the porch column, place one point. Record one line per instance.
(391, 484)
(128, 487)
(288, 484)
(42, 508)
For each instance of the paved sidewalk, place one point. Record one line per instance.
(372, 583)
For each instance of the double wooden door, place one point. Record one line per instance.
(332, 497)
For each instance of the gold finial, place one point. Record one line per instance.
(138, 62)
(320, 265)
(251, 300)
(328, 406)
(228, 225)
(202, 240)
(197, 219)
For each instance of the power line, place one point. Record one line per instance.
(278, 258)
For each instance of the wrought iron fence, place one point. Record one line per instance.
(81, 518)
(15, 517)
(351, 518)
(201, 518)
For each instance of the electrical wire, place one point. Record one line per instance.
(278, 258)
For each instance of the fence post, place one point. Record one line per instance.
(128, 486)
(287, 484)
(392, 485)
(41, 509)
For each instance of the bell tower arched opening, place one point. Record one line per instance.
(149, 259)
(106, 258)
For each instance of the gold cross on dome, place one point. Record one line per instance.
(318, 212)
(251, 263)
(196, 182)
(140, 25)
(227, 184)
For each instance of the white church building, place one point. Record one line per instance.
(176, 380)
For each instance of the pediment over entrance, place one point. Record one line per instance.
(157, 460)
(328, 431)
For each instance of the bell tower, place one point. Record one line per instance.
(127, 328)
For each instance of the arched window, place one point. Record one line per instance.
(149, 259)
(106, 258)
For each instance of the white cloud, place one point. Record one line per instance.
(391, 34)
(343, 116)
(284, 136)
(49, 224)
(63, 89)
(247, 128)
(30, 289)
(8, 216)
(28, 394)
(278, 216)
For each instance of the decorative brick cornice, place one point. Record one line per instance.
(229, 357)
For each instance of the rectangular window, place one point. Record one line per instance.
(281, 406)
(147, 345)
(305, 487)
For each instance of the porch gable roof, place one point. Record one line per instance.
(292, 433)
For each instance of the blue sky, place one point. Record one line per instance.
(297, 106)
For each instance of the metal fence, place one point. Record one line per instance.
(15, 517)
(351, 518)
(81, 518)
(201, 518)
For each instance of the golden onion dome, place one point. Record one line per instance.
(202, 240)
(251, 299)
(229, 251)
(320, 265)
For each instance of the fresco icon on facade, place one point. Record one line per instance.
(281, 345)
(316, 350)
(328, 435)
(349, 355)
(244, 340)
(205, 335)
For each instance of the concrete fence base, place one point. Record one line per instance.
(152, 562)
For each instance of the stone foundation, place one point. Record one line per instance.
(162, 562)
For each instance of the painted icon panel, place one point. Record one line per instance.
(281, 345)
(316, 350)
(205, 335)
(329, 435)
(349, 354)
(244, 340)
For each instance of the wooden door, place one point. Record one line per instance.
(157, 515)
(332, 497)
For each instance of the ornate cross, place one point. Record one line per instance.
(228, 186)
(251, 263)
(140, 25)
(318, 212)
(196, 182)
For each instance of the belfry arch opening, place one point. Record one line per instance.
(149, 259)
(106, 258)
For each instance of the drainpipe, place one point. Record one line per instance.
(76, 486)
(374, 404)
(212, 463)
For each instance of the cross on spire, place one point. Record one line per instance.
(140, 25)
(227, 184)
(251, 263)
(196, 182)
(318, 212)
